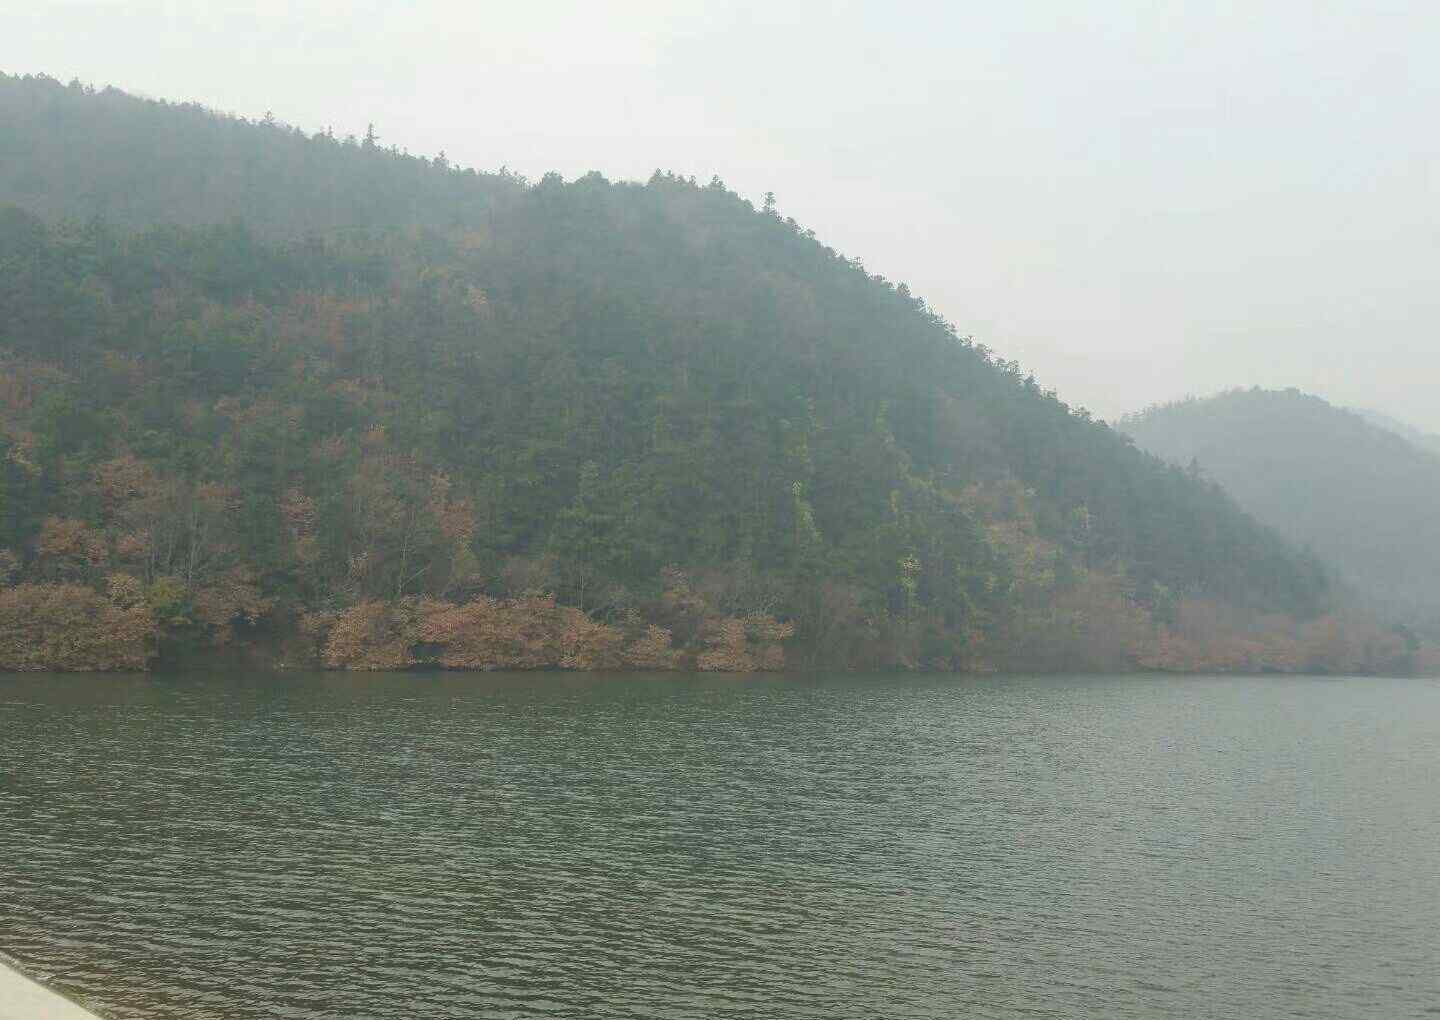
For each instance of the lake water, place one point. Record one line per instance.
(436, 846)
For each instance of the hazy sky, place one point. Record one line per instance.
(1138, 200)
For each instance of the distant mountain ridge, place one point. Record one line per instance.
(1428, 441)
(1357, 488)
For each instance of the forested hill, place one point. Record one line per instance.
(72, 151)
(1362, 496)
(320, 401)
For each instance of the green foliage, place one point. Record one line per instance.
(169, 602)
(608, 378)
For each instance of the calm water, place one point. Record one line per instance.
(416, 847)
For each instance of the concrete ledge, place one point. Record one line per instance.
(24, 998)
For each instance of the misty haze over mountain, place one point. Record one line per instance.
(1360, 489)
(1138, 201)
(1425, 440)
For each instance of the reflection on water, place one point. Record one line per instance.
(569, 846)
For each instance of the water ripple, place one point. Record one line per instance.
(312, 847)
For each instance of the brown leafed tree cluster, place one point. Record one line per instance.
(486, 633)
(533, 632)
(72, 627)
(157, 560)
(1209, 638)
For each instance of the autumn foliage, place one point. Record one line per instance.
(531, 631)
(485, 633)
(70, 627)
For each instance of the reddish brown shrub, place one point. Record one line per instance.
(70, 627)
(744, 644)
(373, 635)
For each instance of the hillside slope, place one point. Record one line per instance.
(1360, 495)
(72, 151)
(451, 418)
(1427, 441)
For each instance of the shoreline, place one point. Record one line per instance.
(24, 997)
(229, 667)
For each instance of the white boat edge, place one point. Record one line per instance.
(22, 997)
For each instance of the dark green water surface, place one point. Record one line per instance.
(414, 847)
